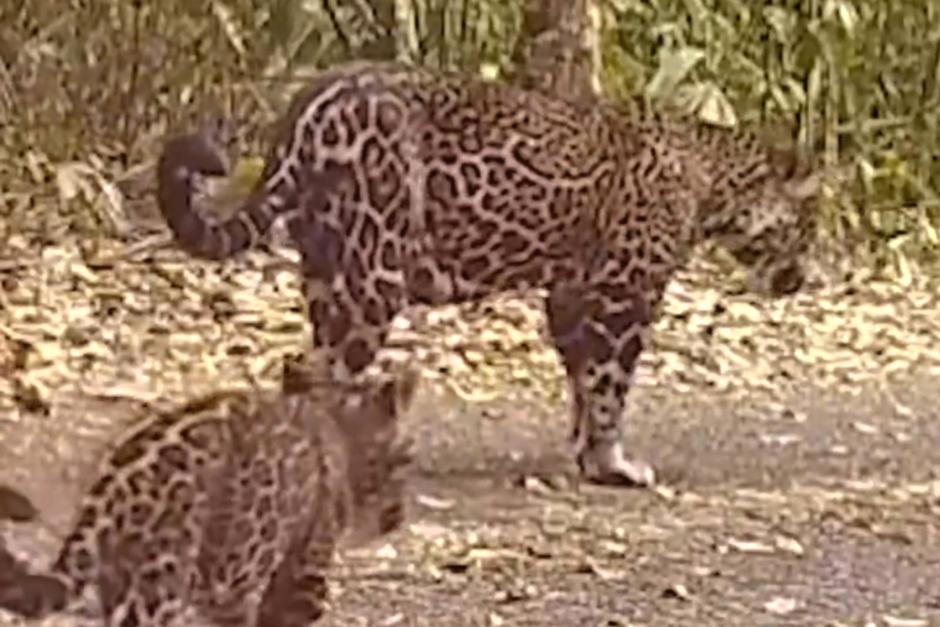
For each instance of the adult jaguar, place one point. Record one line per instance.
(226, 509)
(398, 185)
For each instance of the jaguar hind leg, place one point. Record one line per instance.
(354, 282)
(600, 330)
(351, 322)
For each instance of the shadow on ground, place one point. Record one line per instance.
(821, 510)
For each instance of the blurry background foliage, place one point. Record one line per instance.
(87, 88)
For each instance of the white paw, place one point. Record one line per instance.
(608, 465)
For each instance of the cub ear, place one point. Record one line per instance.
(397, 394)
(300, 375)
(406, 385)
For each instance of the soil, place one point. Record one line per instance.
(822, 508)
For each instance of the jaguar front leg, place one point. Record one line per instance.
(600, 330)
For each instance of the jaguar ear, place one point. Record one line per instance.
(784, 160)
(794, 168)
(789, 158)
(397, 394)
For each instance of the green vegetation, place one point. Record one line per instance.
(88, 89)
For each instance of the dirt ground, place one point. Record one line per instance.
(820, 510)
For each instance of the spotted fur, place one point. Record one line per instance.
(400, 186)
(228, 509)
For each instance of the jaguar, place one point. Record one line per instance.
(403, 186)
(226, 508)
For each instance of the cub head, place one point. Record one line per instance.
(366, 416)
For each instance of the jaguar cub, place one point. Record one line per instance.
(398, 185)
(228, 508)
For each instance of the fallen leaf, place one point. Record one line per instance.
(781, 605)
(386, 551)
(789, 545)
(747, 546)
(896, 621)
(435, 503)
(607, 574)
(864, 428)
(677, 591)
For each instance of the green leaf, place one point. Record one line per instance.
(280, 26)
(782, 23)
(674, 66)
(307, 43)
(842, 12)
(628, 6)
(708, 102)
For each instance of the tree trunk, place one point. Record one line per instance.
(558, 51)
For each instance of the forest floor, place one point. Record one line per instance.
(797, 442)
